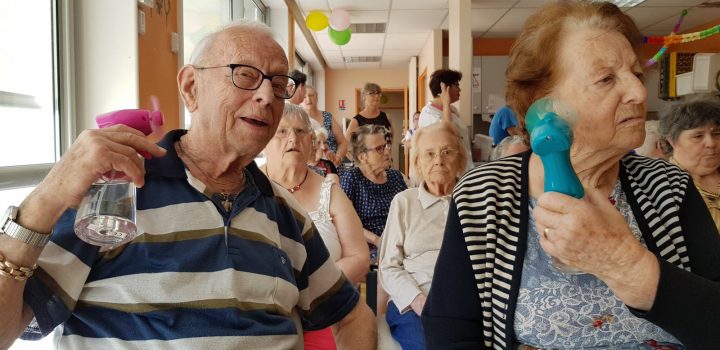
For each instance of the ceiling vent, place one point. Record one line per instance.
(360, 28)
(357, 59)
(715, 4)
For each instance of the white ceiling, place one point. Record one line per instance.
(410, 22)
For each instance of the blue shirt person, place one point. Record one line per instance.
(503, 124)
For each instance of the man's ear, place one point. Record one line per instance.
(187, 85)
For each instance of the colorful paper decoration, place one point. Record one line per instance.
(673, 38)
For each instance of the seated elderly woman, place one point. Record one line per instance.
(641, 234)
(413, 233)
(510, 145)
(372, 185)
(690, 133)
(320, 158)
(329, 208)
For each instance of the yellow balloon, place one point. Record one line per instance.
(316, 20)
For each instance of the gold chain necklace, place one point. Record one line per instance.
(226, 199)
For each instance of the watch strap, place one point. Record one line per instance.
(9, 227)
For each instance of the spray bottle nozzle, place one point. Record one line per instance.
(139, 119)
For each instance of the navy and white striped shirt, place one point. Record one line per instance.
(197, 277)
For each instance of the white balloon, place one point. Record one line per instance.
(339, 20)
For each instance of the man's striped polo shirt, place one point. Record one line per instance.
(197, 277)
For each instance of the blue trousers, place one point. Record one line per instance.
(406, 328)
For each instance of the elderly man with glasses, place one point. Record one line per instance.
(226, 259)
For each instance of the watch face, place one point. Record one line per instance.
(6, 217)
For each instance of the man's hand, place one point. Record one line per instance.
(94, 153)
(418, 303)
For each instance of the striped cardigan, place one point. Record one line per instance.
(491, 212)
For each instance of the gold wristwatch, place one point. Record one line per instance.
(11, 228)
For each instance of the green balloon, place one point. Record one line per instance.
(339, 37)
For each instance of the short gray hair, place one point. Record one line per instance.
(690, 113)
(499, 150)
(293, 111)
(206, 43)
(357, 138)
(415, 173)
(321, 131)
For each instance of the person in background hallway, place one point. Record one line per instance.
(509, 146)
(371, 113)
(335, 139)
(413, 232)
(372, 185)
(301, 89)
(634, 264)
(651, 146)
(224, 260)
(410, 131)
(503, 124)
(690, 134)
(331, 211)
(445, 88)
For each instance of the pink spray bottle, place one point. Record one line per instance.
(106, 215)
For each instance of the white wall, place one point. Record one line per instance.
(279, 25)
(320, 88)
(412, 88)
(492, 82)
(106, 58)
(430, 58)
(652, 77)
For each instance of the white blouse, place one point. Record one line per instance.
(324, 224)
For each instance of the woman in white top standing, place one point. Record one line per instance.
(445, 88)
(414, 230)
(332, 212)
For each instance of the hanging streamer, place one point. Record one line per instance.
(673, 38)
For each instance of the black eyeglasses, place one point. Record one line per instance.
(250, 78)
(379, 149)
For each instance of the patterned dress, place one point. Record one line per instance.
(327, 124)
(371, 200)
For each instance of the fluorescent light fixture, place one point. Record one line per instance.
(623, 3)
